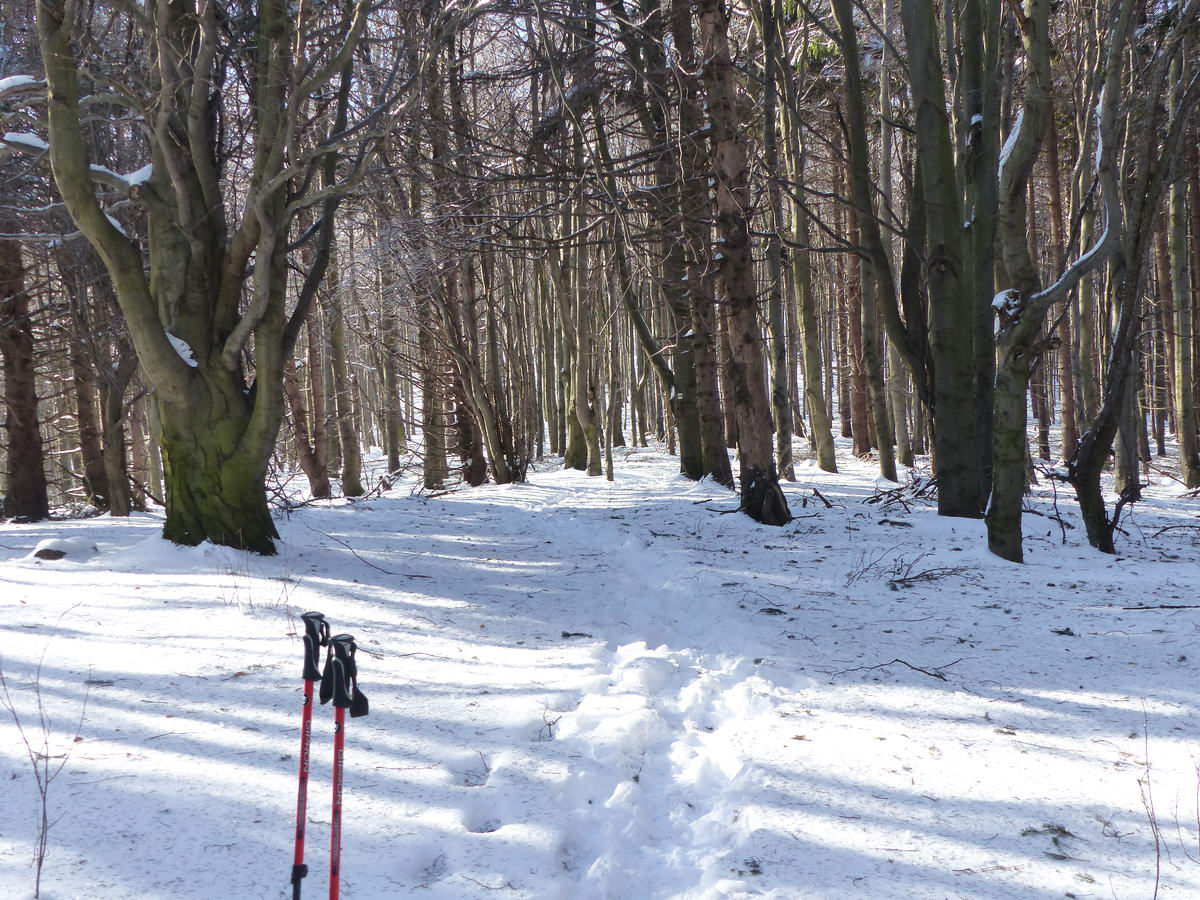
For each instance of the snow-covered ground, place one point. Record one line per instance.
(583, 689)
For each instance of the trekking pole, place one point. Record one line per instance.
(340, 683)
(316, 636)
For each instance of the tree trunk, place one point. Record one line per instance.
(952, 309)
(214, 488)
(1182, 328)
(87, 417)
(762, 498)
(116, 471)
(343, 396)
(806, 301)
(695, 214)
(780, 382)
(310, 454)
(25, 494)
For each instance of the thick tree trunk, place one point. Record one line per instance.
(25, 494)
(695, 216)
(952, 308)
(214, 488)
(762, 498)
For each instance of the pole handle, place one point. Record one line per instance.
(316, 636)
(340, 682)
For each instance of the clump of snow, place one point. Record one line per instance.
(1005, 300)
(74, 549)
(183, 348)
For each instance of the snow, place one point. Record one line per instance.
(583, 689)
(183, 348)
(141, 176)
(12, 82)
(1004, 300)
(117, 225)
(1011, 141)
(74, 548)
(25, 139)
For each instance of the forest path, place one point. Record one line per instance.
(588, 689)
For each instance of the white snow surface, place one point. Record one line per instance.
(184, 349)
(16, 81)
(1011, 141)
(583, 689)
(25, 139)
(75, 548)
(139, 176)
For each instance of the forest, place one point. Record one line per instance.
(245, 242)
(753, 443)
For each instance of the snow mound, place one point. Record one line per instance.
(75, 549)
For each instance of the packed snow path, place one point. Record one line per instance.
(583, 689)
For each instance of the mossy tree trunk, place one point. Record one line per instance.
(183, 303)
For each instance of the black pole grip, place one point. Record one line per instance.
(344, 689)
(316, 636)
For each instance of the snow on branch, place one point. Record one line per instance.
(25, 142)
(14, 83)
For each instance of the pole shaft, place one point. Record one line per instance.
(298, 871)
(335, 836)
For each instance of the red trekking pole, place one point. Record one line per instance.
(316, 636)
(340, 683)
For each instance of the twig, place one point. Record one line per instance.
(365, 562)
(935, 673)
(1166, 606)
(1174, 528)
